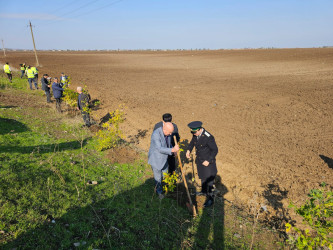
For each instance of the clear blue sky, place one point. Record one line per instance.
(168, 24)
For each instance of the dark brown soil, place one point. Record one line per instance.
(269, 110)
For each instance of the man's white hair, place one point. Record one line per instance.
(79, 89)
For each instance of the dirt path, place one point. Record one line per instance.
(269, 110)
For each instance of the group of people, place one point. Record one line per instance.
(31, 72)
(57, 88)
(163, 148)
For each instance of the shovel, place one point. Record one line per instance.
(189, 204)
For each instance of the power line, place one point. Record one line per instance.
(108, 5)
(86, 13)
(65, 6)
(83, 6)
(56, 19)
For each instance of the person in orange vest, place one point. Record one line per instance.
(8, 71)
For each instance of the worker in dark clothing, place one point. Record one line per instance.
(206, 151)
(57, 93)
(83, 105)
(46, 87)
(171, 158)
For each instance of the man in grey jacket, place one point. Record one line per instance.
(160, 148)
(171, 158)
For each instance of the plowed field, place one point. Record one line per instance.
(271, 111)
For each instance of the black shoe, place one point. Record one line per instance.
(209, 202)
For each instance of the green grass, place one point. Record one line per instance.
(43, 179)
(45, 202)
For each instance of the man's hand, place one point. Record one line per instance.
(188, 154)
(205, 163)
(175, 149)
(77, 108)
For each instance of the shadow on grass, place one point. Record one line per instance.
(7, 107)
(47, 148)
(208, 230)
(11, 125)
(211, 232)
(280, 215)
(131, 219)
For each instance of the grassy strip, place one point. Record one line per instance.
(46, 203)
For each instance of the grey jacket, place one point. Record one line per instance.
(158, 151)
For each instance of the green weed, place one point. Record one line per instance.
(317, 213)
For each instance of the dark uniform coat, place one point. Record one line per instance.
(83, 100)
(45, 84)
(206, 150)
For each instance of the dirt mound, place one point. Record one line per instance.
(122, 155)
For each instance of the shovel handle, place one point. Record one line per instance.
(183, 175)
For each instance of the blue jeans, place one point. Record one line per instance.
(158, 176)
(30, 80)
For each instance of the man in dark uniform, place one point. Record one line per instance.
(83, 105)
(171, 158)
(46, 87)
(206, 151)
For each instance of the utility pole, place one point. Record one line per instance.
(33, 40)
(3, 46)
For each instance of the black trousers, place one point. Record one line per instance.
(22, 73)
(10, 76)
(207, 185)
(86, 118)
(58, 104)
(48, 96)
(172, 163)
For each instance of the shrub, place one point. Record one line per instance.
(70, 97)
(170, 181)
(111, 135)
(317, 213)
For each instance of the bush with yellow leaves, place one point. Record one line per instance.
(169, 181)
(111, 135)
